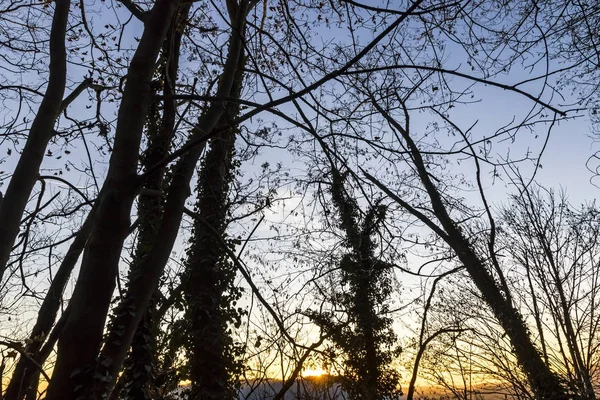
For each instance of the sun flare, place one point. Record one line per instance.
(313, 372)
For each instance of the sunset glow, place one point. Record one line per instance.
(313, 372)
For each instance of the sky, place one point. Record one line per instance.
(564, 159)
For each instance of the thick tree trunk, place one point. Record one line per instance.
(208, 274)
(80, 342)
(137, 378)
(206, 280)
(369, 370)
(136, 381)
(366, 315)
(139, 293)
(26, 173)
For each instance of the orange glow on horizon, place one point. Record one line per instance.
(314, 372)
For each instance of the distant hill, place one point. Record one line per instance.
(328, 388)
(309, 388)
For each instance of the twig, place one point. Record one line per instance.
(17, 346)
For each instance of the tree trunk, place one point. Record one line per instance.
(26, 172)
(209, 275)
(25, 372)
(80, 342)
(137, 298)
(366, 277)
(161, 129)
(545, 384)
(365, 322)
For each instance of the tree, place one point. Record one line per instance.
(497, 295)
(159, 132)
(541, 238)
(365, 338)
(41, 132)
(209, 279)
(424, 340)
(555, 246)
(82, 334)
